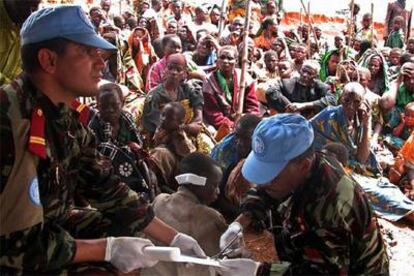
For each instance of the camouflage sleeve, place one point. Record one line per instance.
(105, 192)
(344, 239)
(256, 205)
(43, 247)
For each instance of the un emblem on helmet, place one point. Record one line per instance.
(258, 145)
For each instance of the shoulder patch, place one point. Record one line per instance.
(34, 192)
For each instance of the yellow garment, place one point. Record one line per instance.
(10, 61)
(204, 142)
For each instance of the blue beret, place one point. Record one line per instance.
(68, 22)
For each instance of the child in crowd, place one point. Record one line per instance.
(394, 64)
(396, 37)
(118, 138)
(171, 132)
(405, 126)
(187, 210)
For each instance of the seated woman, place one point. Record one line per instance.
(173, 89)
(205, 54)
(221, 92)
(349, 124)
(329, 64)
(377, 65)
(266, 34)
(118, 138)
(142, 52)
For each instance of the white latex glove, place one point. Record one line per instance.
(239, 267)
(188, 245)
(234, 229)
(126, 253)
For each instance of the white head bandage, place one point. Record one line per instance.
(190, 178)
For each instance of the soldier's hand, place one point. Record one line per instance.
(240, 267)
(233, 235)
(188, 245)
(127, 254)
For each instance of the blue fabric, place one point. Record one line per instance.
(225, 152)
(68, 22)
(330, 126)
(276, 141)
(386, 199)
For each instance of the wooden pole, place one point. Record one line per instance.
(222, 18)
(308, 42)
(310, 24)
(410, 17)
(372, 26)
(351, 24)
(245, 51)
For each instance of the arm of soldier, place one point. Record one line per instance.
(90, 251)
(160, 231)
(40, 247)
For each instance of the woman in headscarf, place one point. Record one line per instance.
(377, 65)
(141, 50)
(266, 34)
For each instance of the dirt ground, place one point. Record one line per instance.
(398, 236)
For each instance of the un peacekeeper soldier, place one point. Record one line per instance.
(47, 155)
(326, 225)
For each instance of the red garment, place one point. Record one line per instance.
(217, 110)
(155, 74)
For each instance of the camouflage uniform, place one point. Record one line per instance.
(325, 227)
(39, 224)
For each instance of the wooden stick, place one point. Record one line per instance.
(310, 23)
(222, 19)
(409, 26)
(308, 42)
(372, 26)
(245, 51)
(351, 24)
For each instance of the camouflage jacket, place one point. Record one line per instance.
(326, 226)
(71, 163)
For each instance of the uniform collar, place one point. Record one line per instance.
(39, 99)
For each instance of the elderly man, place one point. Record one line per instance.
(304, 94)
(48, 155)
(322, 220)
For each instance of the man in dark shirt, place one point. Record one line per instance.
(304, 94)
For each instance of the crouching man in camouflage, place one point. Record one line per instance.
(322, 221)
(47, 155)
